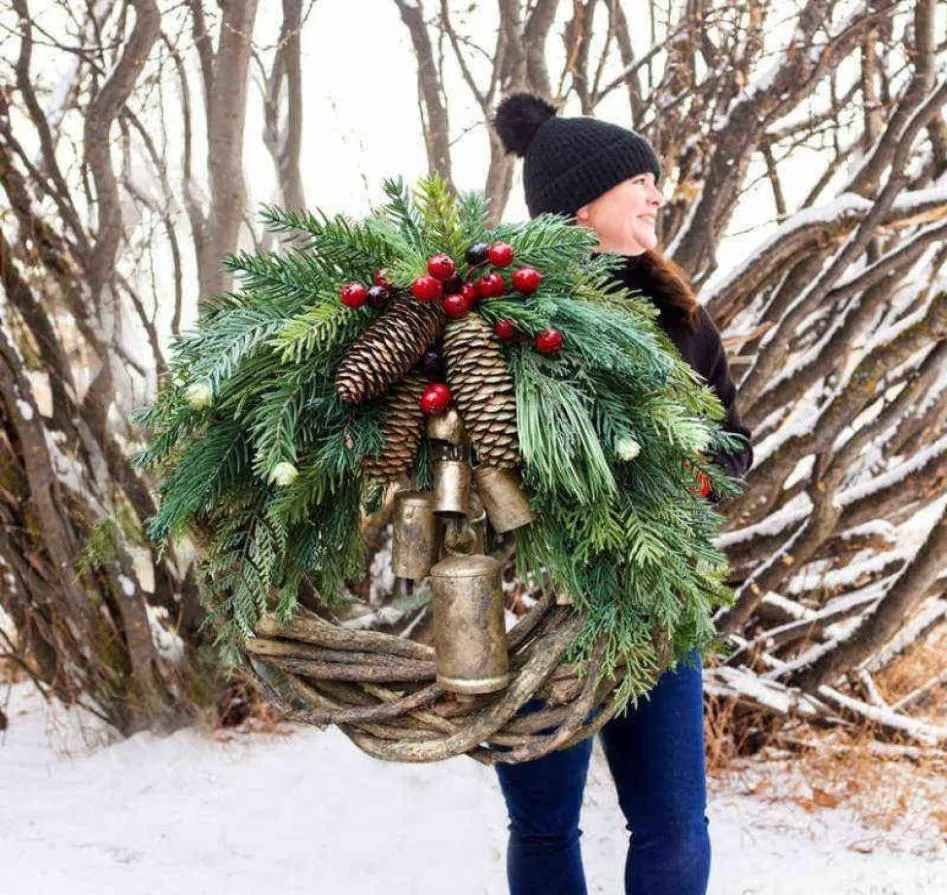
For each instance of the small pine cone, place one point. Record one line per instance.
(388, 349)
(402, 430)
(483, 390)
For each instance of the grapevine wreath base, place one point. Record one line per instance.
(381, 690)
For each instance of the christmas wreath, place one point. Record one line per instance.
(506, 395)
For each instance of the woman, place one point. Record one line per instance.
(606, 178)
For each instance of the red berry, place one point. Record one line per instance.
(427, 288)
(526, 280)
(469, 291)
(353, 295)
(380, 278)
(504, 330)
(491, 285)
(441, 266)
(549, 341)
(435, 398)
(501, 254)
(706, 485)
(455, 305)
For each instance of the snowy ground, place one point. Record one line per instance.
(306, 812)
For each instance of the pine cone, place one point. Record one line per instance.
(483, 390)
(402, 430)
(388, 349)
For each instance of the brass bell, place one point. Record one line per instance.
(504, 499)
(477, 520)
(469, 627)
(415, 542)
(451, 486)
(446, 426)
(457, 537)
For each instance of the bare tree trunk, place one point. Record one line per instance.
(283, 136)
(226, 78)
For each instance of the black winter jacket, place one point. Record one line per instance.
(704, 351)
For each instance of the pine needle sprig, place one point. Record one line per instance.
(207, 468)
(561, 449)
(523, 315)
(473, 211)
(317, 331)
(214, 353)
(440, 216)
(353, 250)
(401, 212)
(292, 278)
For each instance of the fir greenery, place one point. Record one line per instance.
(627, 538)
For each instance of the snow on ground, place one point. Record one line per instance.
(307, 812)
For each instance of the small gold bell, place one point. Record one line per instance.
(469, 630)
(415, 541)
(446, 426)
(477, 520)
(504, 499)
(451, 486)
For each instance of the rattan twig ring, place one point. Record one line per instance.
(382, 693)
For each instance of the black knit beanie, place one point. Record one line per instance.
(568, 162)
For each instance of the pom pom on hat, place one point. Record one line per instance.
(518, 118)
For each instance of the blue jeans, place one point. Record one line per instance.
(656, 757)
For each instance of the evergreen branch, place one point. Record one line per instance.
(214, 354)
(318, 331)
(560, 446)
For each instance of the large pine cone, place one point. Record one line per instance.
(483, 390)
(390, 347)
(402, 430)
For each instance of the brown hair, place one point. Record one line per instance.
(668, 285)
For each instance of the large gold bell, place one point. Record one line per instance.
(451, 486)
(469, 631)
(506, 504)
(415, 542)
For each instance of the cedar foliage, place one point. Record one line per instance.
(627, 539)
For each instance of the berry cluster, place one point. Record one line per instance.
(354, 295)
(442, 282)
(457, 297)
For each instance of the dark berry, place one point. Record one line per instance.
(378, 296)
(454, 285)
(433, 364)
(477, 253)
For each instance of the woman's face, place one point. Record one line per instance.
(624, 217)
